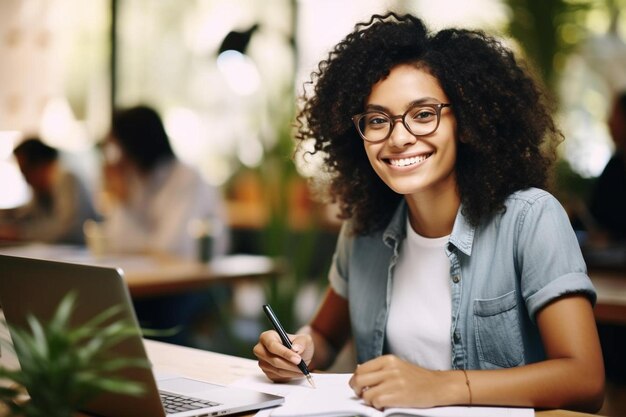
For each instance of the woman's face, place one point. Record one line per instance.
(411, 164)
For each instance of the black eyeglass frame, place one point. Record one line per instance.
(435, 106)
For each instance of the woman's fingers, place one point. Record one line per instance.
(363, 382)
(272, 343)
(370, 373)
(275, 360)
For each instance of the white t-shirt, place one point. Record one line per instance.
(161, 207)
(420, 314)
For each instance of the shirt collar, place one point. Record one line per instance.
(462, 235)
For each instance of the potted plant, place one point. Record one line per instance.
(62, 367)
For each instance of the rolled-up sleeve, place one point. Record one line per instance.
(549, 256)
(338, 275)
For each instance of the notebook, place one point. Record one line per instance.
(333, 397)
(33, 286)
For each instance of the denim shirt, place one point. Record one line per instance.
(502, 272)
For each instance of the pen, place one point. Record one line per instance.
(283, 337)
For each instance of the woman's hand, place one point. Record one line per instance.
(278, 362)
(388, 381)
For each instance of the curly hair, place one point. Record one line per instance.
(507, 137)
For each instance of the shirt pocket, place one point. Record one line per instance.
(498, 337)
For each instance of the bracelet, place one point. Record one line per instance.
(469, 388)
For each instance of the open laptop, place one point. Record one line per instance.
(33, 286)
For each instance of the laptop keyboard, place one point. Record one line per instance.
(175, 403)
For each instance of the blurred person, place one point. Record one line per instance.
(60, 201)
(153, 197)
(607, 204)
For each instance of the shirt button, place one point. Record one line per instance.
(456, 279)
(457, 337)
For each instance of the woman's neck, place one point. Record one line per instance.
(433, 215)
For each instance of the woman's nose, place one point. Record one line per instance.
(400, 136)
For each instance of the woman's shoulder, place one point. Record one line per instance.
(533, 203)
(530, 196)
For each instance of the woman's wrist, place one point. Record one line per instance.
(456, 390)
(323, 353)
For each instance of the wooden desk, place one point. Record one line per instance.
(172, 275)
(611, 289)
(148, 275)
(225, 369)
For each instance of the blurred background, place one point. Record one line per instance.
(224, 75)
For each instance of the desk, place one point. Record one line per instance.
(611, 289)
(225, 369)
(149, 275)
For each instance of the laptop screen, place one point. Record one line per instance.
(36, 287)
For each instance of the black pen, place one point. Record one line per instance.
(283, 336)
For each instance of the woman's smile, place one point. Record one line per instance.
(406, 161)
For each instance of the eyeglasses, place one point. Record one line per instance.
(420, 119)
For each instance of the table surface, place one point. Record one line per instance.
(156, 274)
(225, 369)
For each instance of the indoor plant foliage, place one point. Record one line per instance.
(64, 367)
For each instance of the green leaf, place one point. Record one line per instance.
(61, 317)
(39, 340)
(89, 328)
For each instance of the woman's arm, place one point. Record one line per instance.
(571, 377)
(330, 329)
(316, 343)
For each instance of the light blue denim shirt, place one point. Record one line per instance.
(501, 274)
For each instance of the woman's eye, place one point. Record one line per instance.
(423, 115)
(377, 121)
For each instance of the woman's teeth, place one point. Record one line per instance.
(403, 162)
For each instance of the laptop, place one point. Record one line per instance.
(34, 286)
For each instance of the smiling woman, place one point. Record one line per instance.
(457, 275)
